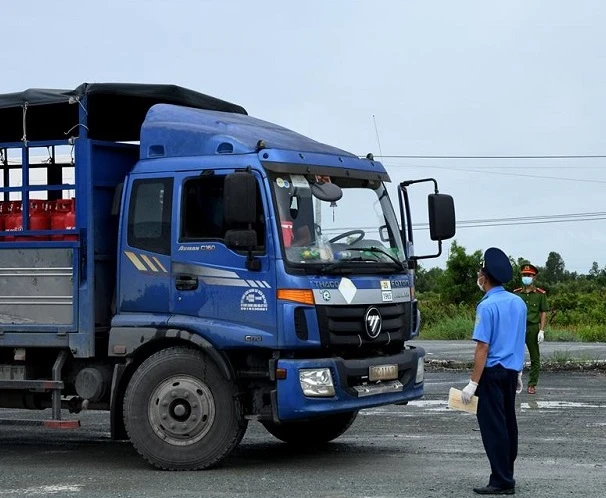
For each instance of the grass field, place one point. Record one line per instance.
(460, 327)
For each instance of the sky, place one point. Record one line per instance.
(391, 77)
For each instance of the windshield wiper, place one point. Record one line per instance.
(378, 250)
(342, 265)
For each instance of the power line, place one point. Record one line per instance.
(429, 166)
(572, 156)
(490, 222)
(537, 222)
(539, 217)
(509, 166)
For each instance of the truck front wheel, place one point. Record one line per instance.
(312, 432)
(180, 412)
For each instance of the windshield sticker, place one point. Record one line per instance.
(387, 296)
(299, 181)
(253, 300)
(280, 182)
(286, 184)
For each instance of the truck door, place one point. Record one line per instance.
(145, 255)
(209, 280)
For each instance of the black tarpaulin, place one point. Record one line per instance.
(115, 111)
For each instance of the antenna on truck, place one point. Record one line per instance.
(374, 120)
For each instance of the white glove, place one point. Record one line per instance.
(520, 386)
(541, 336)
(468, 392)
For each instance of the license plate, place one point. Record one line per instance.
(383, 372)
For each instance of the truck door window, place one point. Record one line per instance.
(202, 205)
(149, 216)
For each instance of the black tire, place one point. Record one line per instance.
(180, 412)
(312, 432)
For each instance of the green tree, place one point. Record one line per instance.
(555, 269)
(459, 279)
(428, 280)
(595, 270)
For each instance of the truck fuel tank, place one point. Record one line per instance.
(92, 383)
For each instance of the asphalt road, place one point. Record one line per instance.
(555, 354)
(420, 450)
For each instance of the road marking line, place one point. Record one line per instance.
(43, 490)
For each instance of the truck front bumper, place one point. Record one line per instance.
(352, 388)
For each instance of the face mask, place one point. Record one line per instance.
(481, 286)
(527, 280)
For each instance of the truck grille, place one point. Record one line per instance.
(342, 328)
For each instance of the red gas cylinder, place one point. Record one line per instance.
(70, 219)
(3, 212)
(59, 210)
(13, 221)
(38, 218)
(50, 207)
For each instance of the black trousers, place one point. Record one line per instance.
(498, 424)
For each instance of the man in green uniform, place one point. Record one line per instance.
(536, 301)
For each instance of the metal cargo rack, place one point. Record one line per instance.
(57, 294)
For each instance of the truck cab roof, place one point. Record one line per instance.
(182, 131)
(171, 131)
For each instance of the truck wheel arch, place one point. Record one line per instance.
(140, 342)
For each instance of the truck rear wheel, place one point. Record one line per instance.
(180, 412)
(312, 432)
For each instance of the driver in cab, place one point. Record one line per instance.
(303, 223)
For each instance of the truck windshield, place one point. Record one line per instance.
(358, 231)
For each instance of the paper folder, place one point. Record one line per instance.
(454, 402)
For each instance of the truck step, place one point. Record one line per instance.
(49, 424)
(55, 386)
(45, 385)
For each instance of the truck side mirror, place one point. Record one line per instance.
(240, 198)
(442, 225)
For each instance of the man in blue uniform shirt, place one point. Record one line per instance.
(500, 333)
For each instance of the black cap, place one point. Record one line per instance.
(497, 265)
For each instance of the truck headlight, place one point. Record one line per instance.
(420, 370)
(316, 382)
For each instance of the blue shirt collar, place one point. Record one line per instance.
(493, 290)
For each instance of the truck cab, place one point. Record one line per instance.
(236, 270)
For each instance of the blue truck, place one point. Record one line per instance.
(215, 269)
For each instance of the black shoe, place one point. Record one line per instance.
(491, 490)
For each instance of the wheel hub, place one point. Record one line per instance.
(182, 410)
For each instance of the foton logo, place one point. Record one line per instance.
(373, 322)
